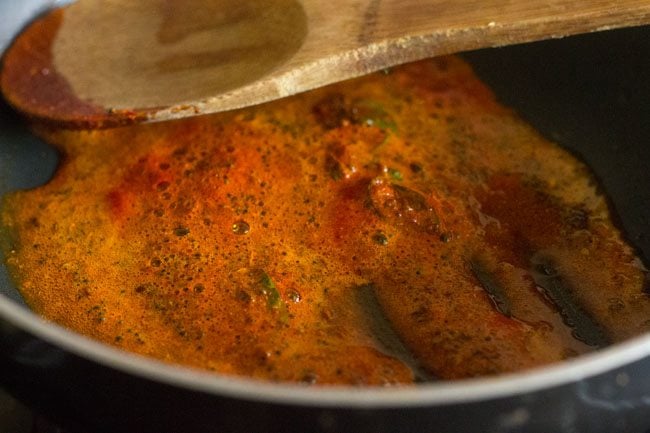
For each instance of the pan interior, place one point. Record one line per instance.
(594, 103)
(590, 94)
(25, 162)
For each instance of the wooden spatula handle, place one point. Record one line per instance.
(101, 62)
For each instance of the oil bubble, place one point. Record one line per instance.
(240, 228)
(181, 231)
(294, 295)
(380, 239)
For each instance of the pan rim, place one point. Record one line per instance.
(433, 394)
(429, 394)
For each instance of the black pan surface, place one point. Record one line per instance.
(590, 93)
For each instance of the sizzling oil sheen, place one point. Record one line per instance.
(398, 227)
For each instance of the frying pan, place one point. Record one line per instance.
(589, 93)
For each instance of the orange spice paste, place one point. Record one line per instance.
(395, 228)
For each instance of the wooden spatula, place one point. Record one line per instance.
(109, 62)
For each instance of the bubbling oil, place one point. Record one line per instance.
(392, 229)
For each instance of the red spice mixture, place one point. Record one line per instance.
(395, 228)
